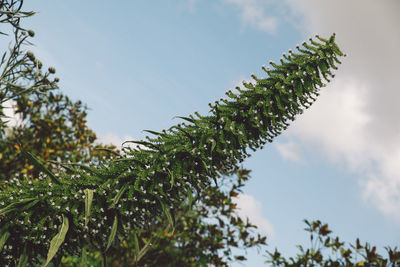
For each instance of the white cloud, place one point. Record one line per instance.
(355, 120)
(249, 207)
(11, 118)
(253, 14)
(290, 151)
(114, 139)
(336, 122)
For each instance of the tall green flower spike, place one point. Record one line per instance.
(149, 183)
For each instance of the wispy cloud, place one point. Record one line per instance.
(249, 207)
(289, 150)
(191, 5)
(253, 14)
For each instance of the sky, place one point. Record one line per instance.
(137, 64)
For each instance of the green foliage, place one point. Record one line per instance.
(168, 167)
(329, 251)
(205, 234)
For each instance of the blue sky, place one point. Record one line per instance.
(137, 64)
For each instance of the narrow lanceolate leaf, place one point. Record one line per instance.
(118, 196)
(190, 198)
(23, 259)
(136, 244)
(213, 144)
(57, 240)
(83, 261)
(41, 167)
(171, 174)
(3, 238)
(19, 205)
(88, 204)
(167, 213)
(112, 233)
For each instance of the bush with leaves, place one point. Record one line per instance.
(53, 128)
(330, 251)
(87, 207)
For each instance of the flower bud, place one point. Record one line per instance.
(31, 33)
(38, 63)
(52, 70)
(30, 55)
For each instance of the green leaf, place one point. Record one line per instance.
(167, 213)
(298, 89)
(57, 240)
(143, 143)
(322, 66)
(23, 259)
(83, 261)
(152, 132)
(40, 166)
(118, 196)
(186, 119)
(3, 239)
(88, 204)
(190, 198)
(278, 103)
(205, 166)
(136, 243)
(17, 205)
(213, 144)
(112, 233)
(171, 174)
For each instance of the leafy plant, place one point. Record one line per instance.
(21, 72)
(166, 170)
